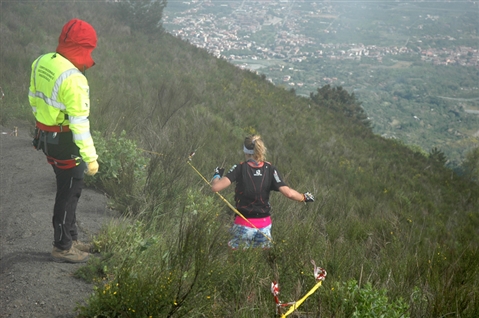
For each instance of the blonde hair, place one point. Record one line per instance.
(254, 142)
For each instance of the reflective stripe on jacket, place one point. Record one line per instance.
(58, 88)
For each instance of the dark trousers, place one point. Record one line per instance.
(69, 188)
(69, 185)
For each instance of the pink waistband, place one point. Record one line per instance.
(259, 223)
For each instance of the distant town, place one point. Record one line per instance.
(220, 34)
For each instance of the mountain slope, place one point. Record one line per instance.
(382, 210)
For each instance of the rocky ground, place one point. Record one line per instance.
(31, 284)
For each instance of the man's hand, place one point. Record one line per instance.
(308, 197)
(92, 168)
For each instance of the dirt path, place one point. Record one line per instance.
(31, 284)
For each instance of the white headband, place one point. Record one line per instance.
(247, 151)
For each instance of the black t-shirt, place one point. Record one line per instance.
(254, 182)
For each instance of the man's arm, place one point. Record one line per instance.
(75, 94)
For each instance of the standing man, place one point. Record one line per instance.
(60, 100)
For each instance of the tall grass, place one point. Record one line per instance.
(392, 228)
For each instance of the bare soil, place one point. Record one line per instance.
(31, 283)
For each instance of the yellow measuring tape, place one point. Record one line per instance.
(319, 275)
(299, 302)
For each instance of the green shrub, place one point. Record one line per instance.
(122, 171)
(350, 300)
(160, 275)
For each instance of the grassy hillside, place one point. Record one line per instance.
(394, 229)
(406, 95)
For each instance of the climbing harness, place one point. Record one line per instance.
(319, 276)
(64, 164)
(38, 142)
(54, 129)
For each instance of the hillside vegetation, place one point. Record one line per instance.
(413, 65)
(394, 229)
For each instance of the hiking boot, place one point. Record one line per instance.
(72, 255)
(84, 247)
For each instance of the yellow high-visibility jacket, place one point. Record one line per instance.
(58, 88)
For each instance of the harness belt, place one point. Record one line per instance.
(59, 163)
(56, 128)
(64, 164)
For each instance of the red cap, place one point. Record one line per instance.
(76, 42)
